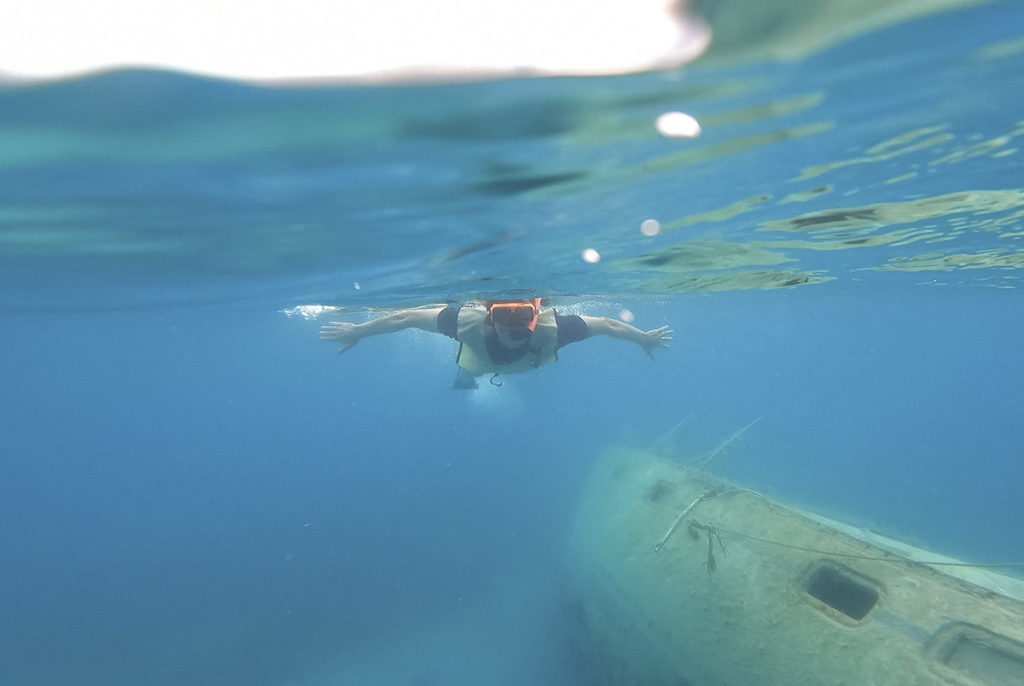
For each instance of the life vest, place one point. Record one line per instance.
(473, 357)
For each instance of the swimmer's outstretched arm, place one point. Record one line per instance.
(349, 334)
(648, 340)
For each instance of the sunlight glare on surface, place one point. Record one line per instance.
(320, 39)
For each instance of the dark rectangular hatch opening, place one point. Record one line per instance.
(840, 590)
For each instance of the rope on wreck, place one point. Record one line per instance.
(877, 558)
(894, 557)
(713, 531)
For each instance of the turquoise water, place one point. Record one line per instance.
(197, 490)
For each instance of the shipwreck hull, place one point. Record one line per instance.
(745, 591)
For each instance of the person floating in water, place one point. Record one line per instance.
(499, 337)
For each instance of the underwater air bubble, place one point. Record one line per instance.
(677, 125)
(650, 227)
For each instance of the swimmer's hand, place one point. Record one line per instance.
(656, 338)
(648, 340)
(346, 333)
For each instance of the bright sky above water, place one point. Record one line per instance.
(324, 39)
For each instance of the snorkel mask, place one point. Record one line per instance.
(519, 316)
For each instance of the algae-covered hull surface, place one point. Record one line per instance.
(679, 578)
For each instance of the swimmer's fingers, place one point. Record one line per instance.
(660, 336)
(335, 331)
(656, 338)
(344, 332)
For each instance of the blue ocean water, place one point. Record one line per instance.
(197, 490)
